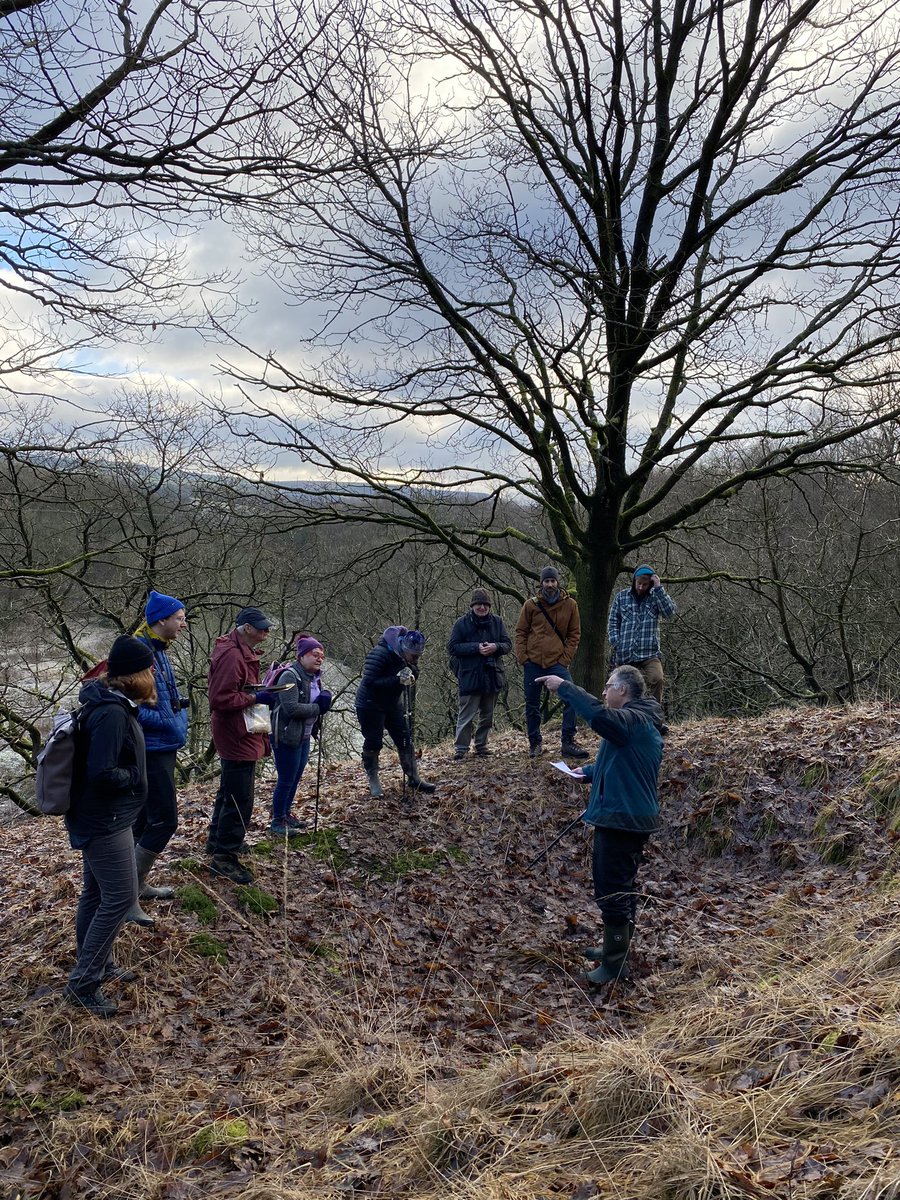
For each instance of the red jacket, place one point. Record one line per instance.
(232, 665)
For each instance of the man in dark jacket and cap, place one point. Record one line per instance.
(234, 688)
(477, 644)
(623, 805)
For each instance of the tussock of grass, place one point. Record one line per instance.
(194, 899)
(255, 900)
(206, 946)
(882, 782)
(219, 1135)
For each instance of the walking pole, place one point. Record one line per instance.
(567, 829)
(319, 771)
(409, 741)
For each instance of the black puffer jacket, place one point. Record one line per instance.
(379, 687)
(476, 672)
(109, 787)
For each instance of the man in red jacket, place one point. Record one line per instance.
(233, 669)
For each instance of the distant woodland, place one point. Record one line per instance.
(787, 592)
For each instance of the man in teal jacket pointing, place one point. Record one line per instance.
(623, 806)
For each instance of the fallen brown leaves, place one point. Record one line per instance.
(410, 1022)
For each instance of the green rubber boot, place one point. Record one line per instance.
(370, 766)
(616, 940)
(411, 771)
(144, 860)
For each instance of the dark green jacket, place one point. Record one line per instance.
(624, 775)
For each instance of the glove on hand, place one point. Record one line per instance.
(263, 697)
(324, 701)
(406, 676)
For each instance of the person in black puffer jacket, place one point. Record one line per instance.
(477, 644)
(391, 667)
(109, 789)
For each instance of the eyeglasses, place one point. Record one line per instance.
(481, 604)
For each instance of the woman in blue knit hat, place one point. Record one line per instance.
(165, 732)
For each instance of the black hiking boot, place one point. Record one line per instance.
(91, 1000)
(227, 866)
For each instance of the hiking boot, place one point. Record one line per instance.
(459, 755)
(243, 848)
(295, 824)
(483, 752)
(92, 1000)
(571, 749)
(228, 867)
(536, 749)
(279, 828)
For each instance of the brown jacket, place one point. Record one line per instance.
(536, 640)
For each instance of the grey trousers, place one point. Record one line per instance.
(110, 888)
(479, 706)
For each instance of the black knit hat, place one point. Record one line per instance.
(128, 656)
(549, 573)
(480, 596)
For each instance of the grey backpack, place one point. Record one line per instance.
(56, 765)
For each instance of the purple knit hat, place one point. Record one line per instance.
(305, 643)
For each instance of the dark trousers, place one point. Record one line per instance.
(616, 857)
(233, 808)
(374, 721)
(109, 890)
(533, 696)
(158, 819)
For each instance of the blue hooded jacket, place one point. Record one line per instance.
(624, 774)
(164, 728)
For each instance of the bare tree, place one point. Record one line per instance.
(565, 252)
(121, 124)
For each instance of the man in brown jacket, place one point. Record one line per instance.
(547, 635)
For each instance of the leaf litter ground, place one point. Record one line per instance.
(407, 1018)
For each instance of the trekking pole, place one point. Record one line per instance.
(407, 724)
(567, 829)
(319, 772)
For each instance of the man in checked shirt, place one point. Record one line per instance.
(633, 628)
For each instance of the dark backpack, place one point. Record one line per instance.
(56, 765)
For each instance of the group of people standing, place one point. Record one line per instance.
(133, 720)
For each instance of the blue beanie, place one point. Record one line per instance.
(158, 607)
(412, 642)
(644, 571)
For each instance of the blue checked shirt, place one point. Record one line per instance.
(633, 628)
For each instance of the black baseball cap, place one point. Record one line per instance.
(253, 616)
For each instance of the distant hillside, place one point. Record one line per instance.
(408, 1020)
